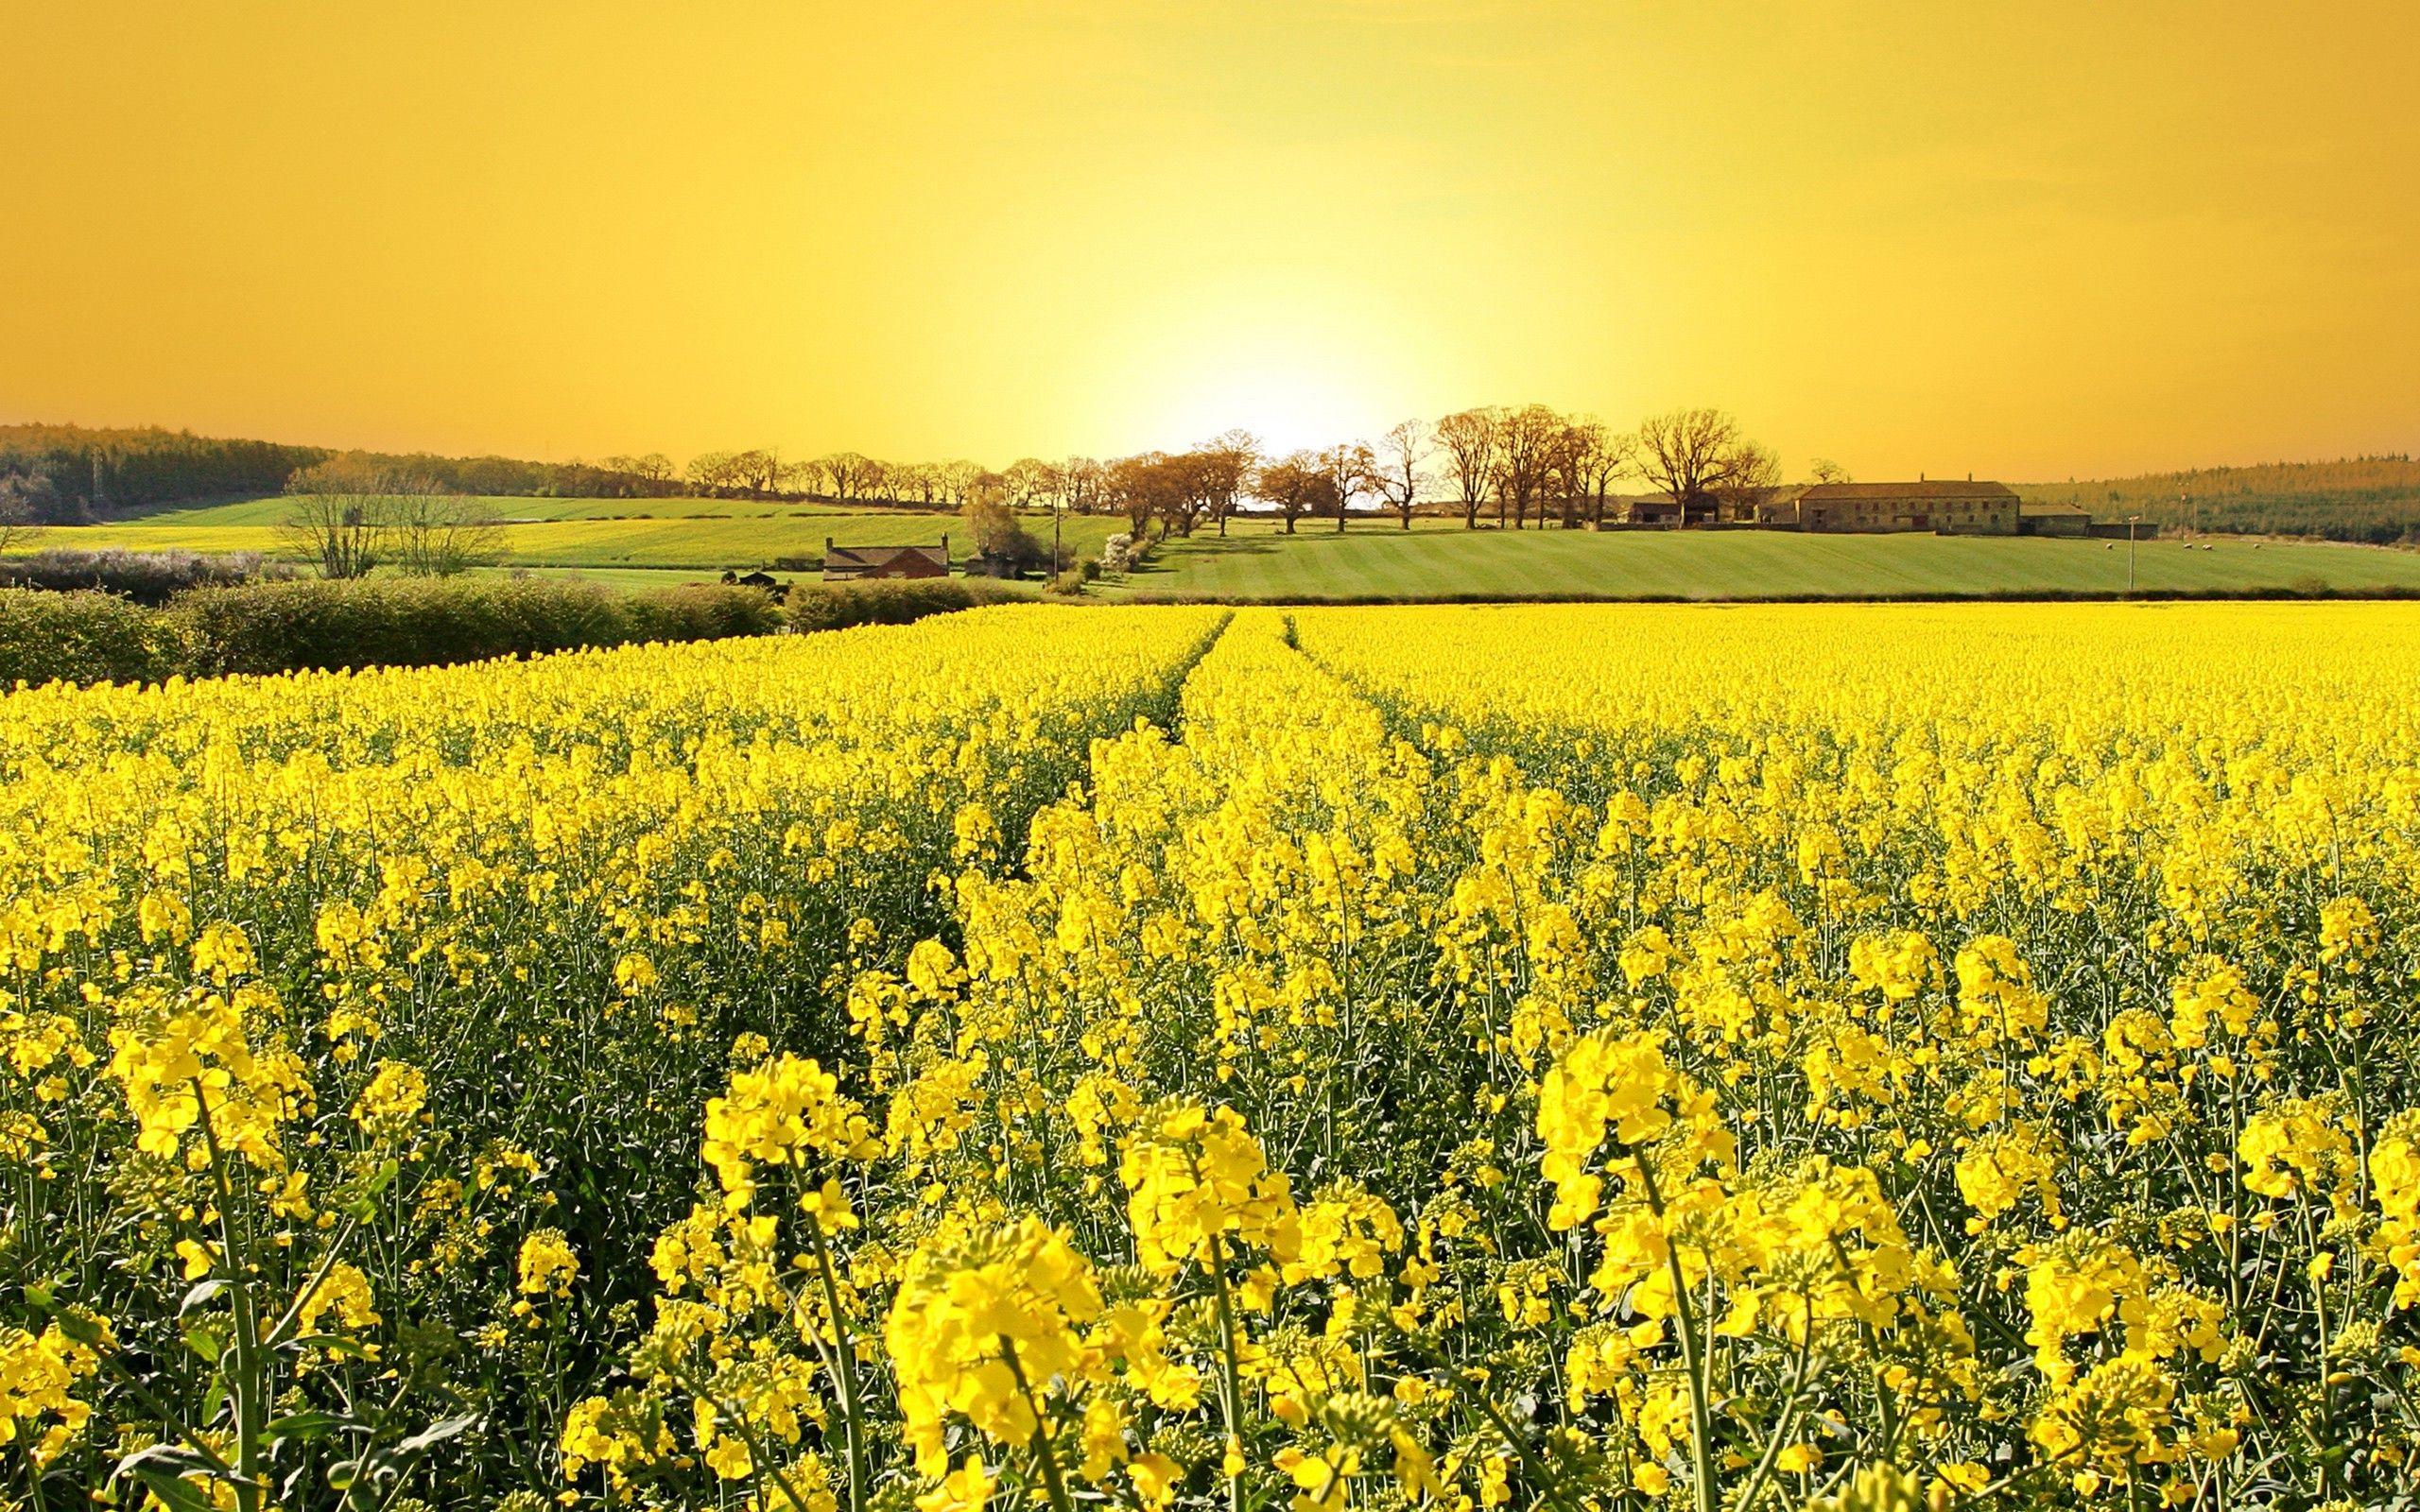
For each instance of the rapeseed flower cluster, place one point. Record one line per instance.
(1560, 1058)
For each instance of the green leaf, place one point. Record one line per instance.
(438, 1433)
(161, 1468)
(201, 1292)
(84, 1331)
(307, 1425)
(205, 1342)
(172, 1490)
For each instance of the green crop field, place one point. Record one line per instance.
(641, 543)
(1256, 560)
(691, 535)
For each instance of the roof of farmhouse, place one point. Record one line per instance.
(882, 556)
(1922, 489)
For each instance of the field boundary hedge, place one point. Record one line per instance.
(313, 625)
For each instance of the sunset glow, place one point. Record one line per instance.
(2033, 242)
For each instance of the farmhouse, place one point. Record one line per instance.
(1967, 508)
(2053, 520)
(848, 564)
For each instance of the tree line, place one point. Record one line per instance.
(1526, 465)
(1529, 465)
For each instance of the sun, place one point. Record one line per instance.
(1288, 408)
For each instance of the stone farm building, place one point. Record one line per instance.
(1967, 508)
(849, 564)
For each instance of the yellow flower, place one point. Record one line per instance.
(547, 1266)
(392, 1100)
(786, 1111)
(986, 1328)
(1197, 1177)
(344, 1291)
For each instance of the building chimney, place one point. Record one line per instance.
(827, 545)
(1920, 478)
(944, 548)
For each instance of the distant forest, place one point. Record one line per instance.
(61, 474)
(2371, 499)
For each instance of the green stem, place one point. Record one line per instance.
(1230, 1394)
(244, 1384)
(1039, 1444)
(851, 1411)
(1701, 1410)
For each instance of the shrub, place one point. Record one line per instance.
(82, 637)
(893, 602)
(307, 624)
(146, 576)
(435, 622)
(700, 612)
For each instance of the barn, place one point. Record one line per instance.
(849, 564)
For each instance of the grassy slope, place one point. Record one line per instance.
(2368, 499)
(696, 534)
(1372, 560)
(671, 540)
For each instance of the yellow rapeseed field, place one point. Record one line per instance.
(1554, 1058)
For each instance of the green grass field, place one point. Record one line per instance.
(653, 543)
(691, 535)
(1439, 560)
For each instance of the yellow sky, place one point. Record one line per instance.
(2030, 241)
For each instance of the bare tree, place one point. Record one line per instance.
(1083, 478)
(1032, 483)
(1567, 461)
(1296, 485)
(1397, 474)
(1823, 470)
(846, 475)
(758, 471)
(916, 481)
(1525, 442)
(654, 469)
(956, 479)
(24, 497)
(1468, 438)
(1697, 456)
(1348, 466)
(712, 471)
(436, 534)
(341, 512)
(1598, 459)
(1754, 478)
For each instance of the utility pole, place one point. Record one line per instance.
(1058, 505)
(2130, 552)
